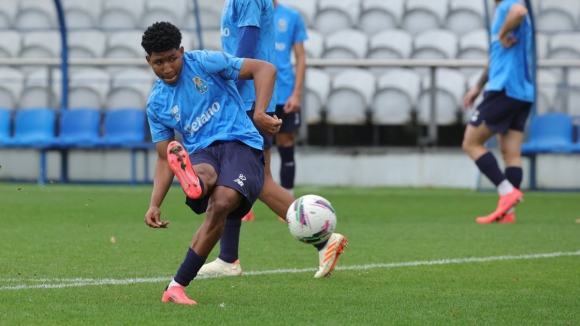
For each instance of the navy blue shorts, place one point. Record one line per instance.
(290, 121)
(268, 140)
(500, 112)
(238, 166)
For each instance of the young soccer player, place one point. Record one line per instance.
(220, 164)
(248, 31)
(505, 107)
(290, 36)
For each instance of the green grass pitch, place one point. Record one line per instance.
(59, 265)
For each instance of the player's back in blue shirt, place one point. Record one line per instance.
(511, 69)
(290, 29)
(204, 104)
(243, 13)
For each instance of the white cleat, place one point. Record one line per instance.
(219, 267)
(328, 256)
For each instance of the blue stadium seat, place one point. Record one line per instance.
(79, 128)
(34, 128)
(549, 133)
(124, 128)
(4, 125)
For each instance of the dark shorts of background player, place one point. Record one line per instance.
(268, 140)
(290, 121)
(500, 112)
(238, 166)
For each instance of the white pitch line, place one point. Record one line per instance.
(77, 282)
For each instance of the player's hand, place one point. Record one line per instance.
(469, 98)
(269, 125)
(508, 40)
(292, 105)
(153, 218)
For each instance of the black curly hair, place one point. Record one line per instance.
(161, 37)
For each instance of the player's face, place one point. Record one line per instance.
(167, 65)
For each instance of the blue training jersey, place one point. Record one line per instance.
(243, 13)
(511, 69)
(204, 104)
(290, 29)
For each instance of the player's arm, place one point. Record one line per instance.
(474, 92)
(264, 75)
(161, 182)
(515, 17)
(293, 103)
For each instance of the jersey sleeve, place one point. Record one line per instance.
(299, 30)
(249, 12)
(223, 64)
(159, 132)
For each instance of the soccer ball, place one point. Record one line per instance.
(311, 219)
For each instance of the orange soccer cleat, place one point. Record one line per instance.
(508, 218)
(249, 217)
(328, 256)
(177, 294)
(181, 166)
(505, 203)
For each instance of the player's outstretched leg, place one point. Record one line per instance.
(181, 166)
(328, 254)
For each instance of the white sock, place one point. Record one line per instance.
(504, 188)
(173, 283)
(511, 210)
(291, 191)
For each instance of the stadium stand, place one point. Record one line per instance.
(547, 91)
(307, 9)
(9, 43)
(124, 128)
(162, 10)
(33, 128)
(82, 13)
(122, 14)
(126, 44)
(79, 128)
(8, 10)
(565, 46)
(317, 84)
(314, 45)
(35, 14)
(424, 15)
(465, 16)
(130, 89)
(86, 44)
(558, 15)
(44, 44)
(549, 133)
(573, 91)
(396, 97)
(380, 15)
(334, 15)
(450, 88)
(11, 86)
(350, 97)
(435, 44)
(346, 44)
(5, 122)
(40, 90)
(89, 88)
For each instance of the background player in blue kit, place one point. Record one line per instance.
(220, 165)
(290, 36)
(506, 105)
(248, 31)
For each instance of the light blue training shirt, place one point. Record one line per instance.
(511, 69)
(204, 104)
(256, 13)
(290, 29)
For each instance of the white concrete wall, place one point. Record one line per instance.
(376, 168)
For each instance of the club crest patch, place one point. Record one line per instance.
(200, 85)
(282, 26)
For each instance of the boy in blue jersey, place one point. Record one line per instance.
(290, 35)
(505, 108)
(248, 31)
(220, 164)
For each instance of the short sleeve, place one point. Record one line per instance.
(249, 12)
(299, 30)
(159, 132)
(220, 63)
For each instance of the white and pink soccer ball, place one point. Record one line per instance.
(311, 219)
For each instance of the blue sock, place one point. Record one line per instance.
(189, 268)
(514, 175)
(489, 167)
(230, 240)
(320, 246)
(288, 167)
